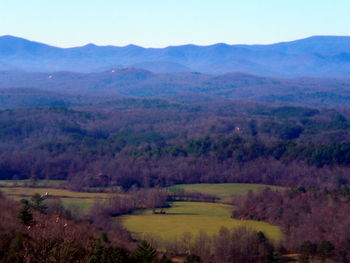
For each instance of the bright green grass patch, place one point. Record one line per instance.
(223, 190)
(79, 205)
(191, 217)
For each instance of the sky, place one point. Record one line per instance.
(160, 23)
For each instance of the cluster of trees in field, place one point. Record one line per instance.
(154, 142)
(313, 221)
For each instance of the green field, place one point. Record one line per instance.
(79, 205)
(191, 217)
(27, 191)
(223, 190)
(79, 201)
(28, 182)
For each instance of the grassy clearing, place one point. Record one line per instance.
(79, 205)
(191, 217)
(223, 190)
(26, 191)
(28, 182)
(78, 201)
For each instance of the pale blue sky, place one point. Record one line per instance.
(159, 23)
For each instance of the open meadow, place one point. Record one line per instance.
(78, 201)
(83, 201)
(191, 217)
(223, 191)
(36, 183)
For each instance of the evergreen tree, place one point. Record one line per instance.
(193, 259)
(307, 250)
(37, 203)
(265, 248)
(145, 252)
(25, 216)
(16, 252)
(325, 250)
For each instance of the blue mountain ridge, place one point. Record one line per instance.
(317, 56)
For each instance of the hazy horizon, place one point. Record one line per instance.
(161, 23)
(161, 47)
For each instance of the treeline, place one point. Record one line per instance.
(313, 221)
(125, 203)
(154, 198)
(175, 194)
(239, 245)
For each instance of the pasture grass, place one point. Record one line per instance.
(191, 217)
(27, 191)
(28, 182)
(79, 205)
(77, 201)
(223, 190)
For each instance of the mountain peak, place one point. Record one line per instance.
(90, 45)
(133, 47)
(10, 38)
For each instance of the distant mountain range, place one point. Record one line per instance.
(318, 56)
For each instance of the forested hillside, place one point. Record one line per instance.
(148, 142)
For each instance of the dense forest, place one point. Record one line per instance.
(150, 142)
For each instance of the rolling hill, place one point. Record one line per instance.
(47, 89)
